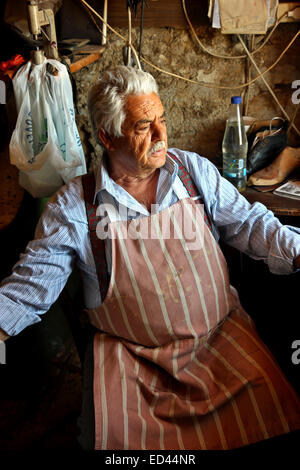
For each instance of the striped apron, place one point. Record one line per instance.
(178, 363)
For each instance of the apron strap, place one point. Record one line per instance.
(185, 177)
(191, 188)
(98, 245)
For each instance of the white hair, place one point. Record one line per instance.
(107, 97)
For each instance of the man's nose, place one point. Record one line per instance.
(159, 131)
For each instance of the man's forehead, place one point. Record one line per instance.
(143, 106)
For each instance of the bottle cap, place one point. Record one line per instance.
(236, 99)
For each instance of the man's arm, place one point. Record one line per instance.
(254, 230)
(250, 228)
(43, 270)
(38, 277)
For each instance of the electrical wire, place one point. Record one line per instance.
(141, 28)
(247, 91)
(221, 56)
(129, 36)
(92, 18)
(293, 117)
(114, 31)
(210, 85)
(266, 83)
(250, 56)
(223, 87)
(207, 85)
(204, 84)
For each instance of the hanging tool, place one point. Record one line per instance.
(133, 5)
(141, 27)
(42, 22)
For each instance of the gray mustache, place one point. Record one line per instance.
(157, 146)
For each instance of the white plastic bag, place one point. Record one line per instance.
(45, 145)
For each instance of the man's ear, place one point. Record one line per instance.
(106, 140)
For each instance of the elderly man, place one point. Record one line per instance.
(174, 361)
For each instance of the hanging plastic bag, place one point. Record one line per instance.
(45, 145)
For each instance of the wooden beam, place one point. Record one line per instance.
(161, 13)
(86, 56)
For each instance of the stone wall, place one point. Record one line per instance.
(196, 114)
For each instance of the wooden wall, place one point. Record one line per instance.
(160, 13)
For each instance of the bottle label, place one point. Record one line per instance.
(236, 175)
(236, 169)
(239, 164)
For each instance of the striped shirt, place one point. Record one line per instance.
(62, 237)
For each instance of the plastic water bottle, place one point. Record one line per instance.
(235, 147)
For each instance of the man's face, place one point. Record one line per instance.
(144, 129)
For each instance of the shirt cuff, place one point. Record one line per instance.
(14, 318)
(285, 247)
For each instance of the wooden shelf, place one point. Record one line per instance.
(281, 206)
(85, 56)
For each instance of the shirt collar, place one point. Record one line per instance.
(103, 182)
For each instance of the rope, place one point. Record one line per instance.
(204, 84)
(220, 56)
(129, 36)
(113, 30)
(247, 92)
(265, 81)
(92, 18)
(293, 117)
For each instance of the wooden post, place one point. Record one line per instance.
(104, 27)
